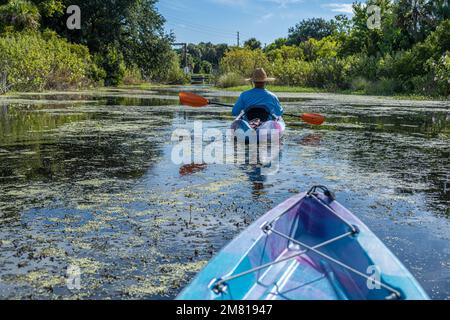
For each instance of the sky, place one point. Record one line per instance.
(218, 21)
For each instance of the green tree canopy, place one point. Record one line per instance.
(316, 28)
(253, 44)
(134, 27)
(19, 15)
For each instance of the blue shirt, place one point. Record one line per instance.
(258, 97)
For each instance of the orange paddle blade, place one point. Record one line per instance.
(193, 100)
(313, 118)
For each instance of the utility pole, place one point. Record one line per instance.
(238, 39)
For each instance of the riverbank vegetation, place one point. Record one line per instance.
(405, 52)
(408, 53)
(118, 41)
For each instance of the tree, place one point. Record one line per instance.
(325, 48)
(285, 53)
(205, 67)
(277, 44)
(420, 17)
(316, 28)
(206, 52)
(243, 61)
(371, 41)
(19, 15)
(134, 27)
(252, 44)
(143, 40)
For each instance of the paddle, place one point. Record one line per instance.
(193, 100)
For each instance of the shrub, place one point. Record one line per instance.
(244, 62)
(113, 63)
(34, 62)
(70, 64)
(439, 75)
(292, 72)
(330, 73)
(384, 86)
(360, 84)
(174, 74)
(132, 75)
(285, 53)
(325, 48)
(361, 65)
(230, 80)
(19, 15)
(206, 67)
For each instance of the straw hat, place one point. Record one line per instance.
(260, 75)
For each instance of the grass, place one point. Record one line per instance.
(289, 89)
(275, 88)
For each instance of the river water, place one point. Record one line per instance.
(88, 187)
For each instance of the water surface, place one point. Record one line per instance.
(86, 180)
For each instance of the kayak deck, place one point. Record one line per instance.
(308, 248)
(268, 124)
(294, 279)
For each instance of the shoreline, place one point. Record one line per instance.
(282, 91)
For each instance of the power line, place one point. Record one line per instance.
(197, 25)
(210, 33)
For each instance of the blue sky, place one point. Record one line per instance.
(219, 20)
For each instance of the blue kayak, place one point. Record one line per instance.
(308, 248)
(260, 123)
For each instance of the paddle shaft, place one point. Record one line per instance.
(231, 106)
(221, 104)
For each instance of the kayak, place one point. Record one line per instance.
(258, 122)
(308, 248)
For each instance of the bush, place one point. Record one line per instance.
(361, 65)
(132, 76)
(292, 72)
(285, 53)
(229, 80)
(384, 86)
(439, 76)
(244, 62)
(174, 74)
(70, 64)
(34, 62)
(360, 84)
(206, 67)
(330, 74)
(326, 48)
(19, 15)
(113, 63)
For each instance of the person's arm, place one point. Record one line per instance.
(279, 108)
(238, 107)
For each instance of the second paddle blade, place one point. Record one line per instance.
(313, 118)
(193, 100)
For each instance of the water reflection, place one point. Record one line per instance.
(193, 168)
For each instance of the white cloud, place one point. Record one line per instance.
(340, 7)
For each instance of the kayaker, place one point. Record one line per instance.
(258, 96)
